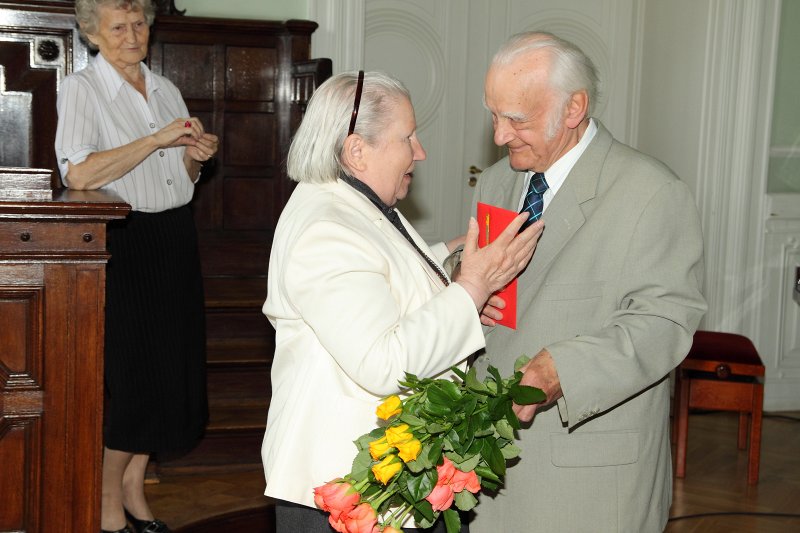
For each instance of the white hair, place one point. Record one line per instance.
(571, 70)
(315, 152)
(88, 17)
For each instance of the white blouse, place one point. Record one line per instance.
(98, 110)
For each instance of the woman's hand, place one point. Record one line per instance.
(205, 145)
(200, 146)
(489, 269)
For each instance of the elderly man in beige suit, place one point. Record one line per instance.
(607, 307)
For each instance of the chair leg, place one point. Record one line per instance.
(754, 456)
(682, 414)
(675, 405)
(744, 422)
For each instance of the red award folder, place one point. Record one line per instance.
(492, 221)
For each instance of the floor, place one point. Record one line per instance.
(715, 482)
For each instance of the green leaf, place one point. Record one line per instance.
(420, 485)
(526, 395)
(423, 513)
(435, 428)
(362, 442)
(451, 520)
(435, 452)
(472, 383)
(438, 405)
(493, 371)
(362, 463)
(485, 473)
(423, 459)
(489, 484)
(444, 392)
(511, 417)
(467, 463)
(510, 451)
(493, 456)
(411, 420)
(458, 372)
(465, 500)
(504, 429)
(454, 441)
(498, 407)
(521, 361)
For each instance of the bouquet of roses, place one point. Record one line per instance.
(440, 445)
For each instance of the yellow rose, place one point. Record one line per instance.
(391, 406)
(389, 467)
(398, 434)
(378, 448)
(410, 450)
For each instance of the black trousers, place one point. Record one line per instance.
(293, 518)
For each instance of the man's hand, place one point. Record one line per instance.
(492, 311)
(539, 372)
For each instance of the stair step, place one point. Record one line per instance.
(238, 419)
(239, 351)
(235, 292)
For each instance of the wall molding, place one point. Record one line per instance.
(340, 35)
(730, 160)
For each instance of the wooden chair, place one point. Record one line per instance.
(722, 371)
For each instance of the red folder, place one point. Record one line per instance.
(492, 221)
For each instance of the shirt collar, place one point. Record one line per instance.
(558, 171)
(367, 191)
(114, 81)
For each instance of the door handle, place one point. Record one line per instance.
(473, 175)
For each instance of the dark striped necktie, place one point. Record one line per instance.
(534, 201)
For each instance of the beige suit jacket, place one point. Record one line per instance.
(354, 307)
(614, 293)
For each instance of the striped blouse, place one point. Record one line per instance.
(98, 110)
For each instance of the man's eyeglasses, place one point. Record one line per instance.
(357, 102)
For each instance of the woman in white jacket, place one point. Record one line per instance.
(355, 295)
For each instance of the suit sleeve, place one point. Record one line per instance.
(660, 307)
(350, 294)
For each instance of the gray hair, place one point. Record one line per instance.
(571, 69)
(87, 15)
(315, 152)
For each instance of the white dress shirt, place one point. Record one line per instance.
(98, 110)
(557, 173)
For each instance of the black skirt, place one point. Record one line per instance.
(155, 375)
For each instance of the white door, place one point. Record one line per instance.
(441, 50)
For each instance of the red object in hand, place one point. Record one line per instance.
(187, 124)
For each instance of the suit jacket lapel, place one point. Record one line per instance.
(366, 208)
(566, 212)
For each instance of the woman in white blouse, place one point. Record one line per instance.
(356, 296)
(126, 129)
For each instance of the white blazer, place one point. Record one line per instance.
(354, 307)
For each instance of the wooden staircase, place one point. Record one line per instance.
(249, 82)
(240, 347)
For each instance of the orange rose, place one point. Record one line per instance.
(391, 406)
(465, 480)
(389, 467)
(451, 480)
(336, 497)
(362, 519)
